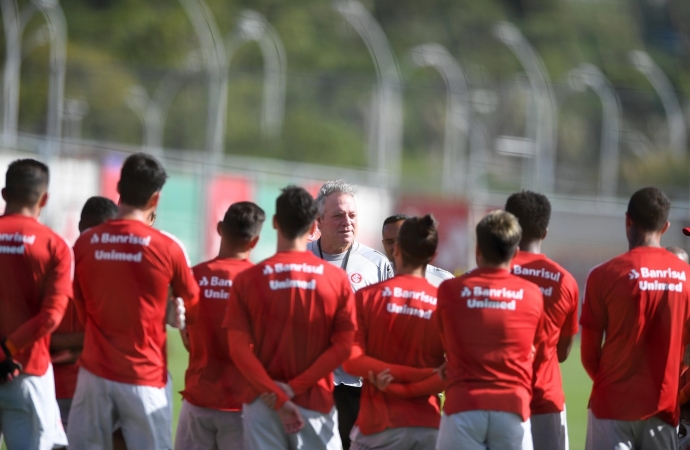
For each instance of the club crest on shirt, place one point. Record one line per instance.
(356, 277)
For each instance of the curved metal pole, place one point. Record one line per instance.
(13, 60)
(151, 117)
(663, 87)
(253, 26)
(544, 102)
(57, 25)
(457, 116)
(387, 150)
(213, 50)
(590, 75)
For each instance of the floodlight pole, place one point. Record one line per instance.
(455, 170)
(663, 87)
(216, 62)
(588, 75)
(385, 153)
(252, 26)
(544, 102)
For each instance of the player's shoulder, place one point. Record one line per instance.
(436, 273)
(370, 254)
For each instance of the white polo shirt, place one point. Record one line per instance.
(364, 266)
(436, 275)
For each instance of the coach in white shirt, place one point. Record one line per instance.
(389, 234)
(364, 266)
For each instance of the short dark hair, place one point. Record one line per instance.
(25, 181)
(418, 240)
(243, 221)
(96, 210)
(296, 210)
(498, 236)
(395, 218)
(533, 211)
(141, 177)
(648, 209)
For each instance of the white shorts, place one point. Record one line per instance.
(264, 430)
(205, 429)
(482, 430)
(650, 434)
(404, 438)
(143, 412)
(29, 413)
(550, 431)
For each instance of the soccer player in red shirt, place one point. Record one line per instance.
(124, 268)
(291, 322)
(211, 414)
(67, 341)
(490, 323)
(560, 291)
(397, 330)
(35, 285)
(640, 302)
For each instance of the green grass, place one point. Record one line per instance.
(576, 383)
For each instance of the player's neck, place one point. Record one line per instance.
(640, 239)
(128, 212)
(531, 246)
(298, 244)
(412, 271)
(28, 211)
(228, 252)
(485, 265)
(334, 248)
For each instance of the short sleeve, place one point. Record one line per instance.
(387, 271)
(183, 283)
(594, 314)
(571, 297)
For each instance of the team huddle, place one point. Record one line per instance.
(328, 344)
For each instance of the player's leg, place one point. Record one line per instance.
(229, 432)
(144, 416)
(467, 430)
(507, 431)
(195, 429)
(262, 427)
(407, 438)
(347, 400)
(549, 431)
(91, 414)
(655, 434)
(320, 431)
(605, 434)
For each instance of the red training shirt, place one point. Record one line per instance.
(212, 380)
(123, 271)
(561, 296)
(66, 374)
(640, 301)
(396, 324)
(298, 312)
(36, 268)
(489, 321)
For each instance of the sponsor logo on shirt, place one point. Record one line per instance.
(303, 267)
(546, 292)
(404, 309)
(112, 255)
(655, 274)
(539, 273)
(490, 304)
(658, 286)
(219, 294)
(356, 277)
(498, 293)
(662, 273)
(12, 249)
(414, 295)
(215, 282)
(291, 284)
(18, 237)
(107, 238)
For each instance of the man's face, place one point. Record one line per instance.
(338, 224)
(389, 235)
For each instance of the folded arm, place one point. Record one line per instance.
(430, 386)
(360, 365)
(591, 350)
(43, 323)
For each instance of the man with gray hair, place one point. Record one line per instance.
(338, 222)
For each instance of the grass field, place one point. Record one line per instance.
(575, 381)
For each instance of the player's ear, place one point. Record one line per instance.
(545, 233)
(4, 195)
(665, 228)
(478, 256)
(313, 228)
(253, 242)
(219, 228)
(275, 222)
(153, 201)
(43, 200)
